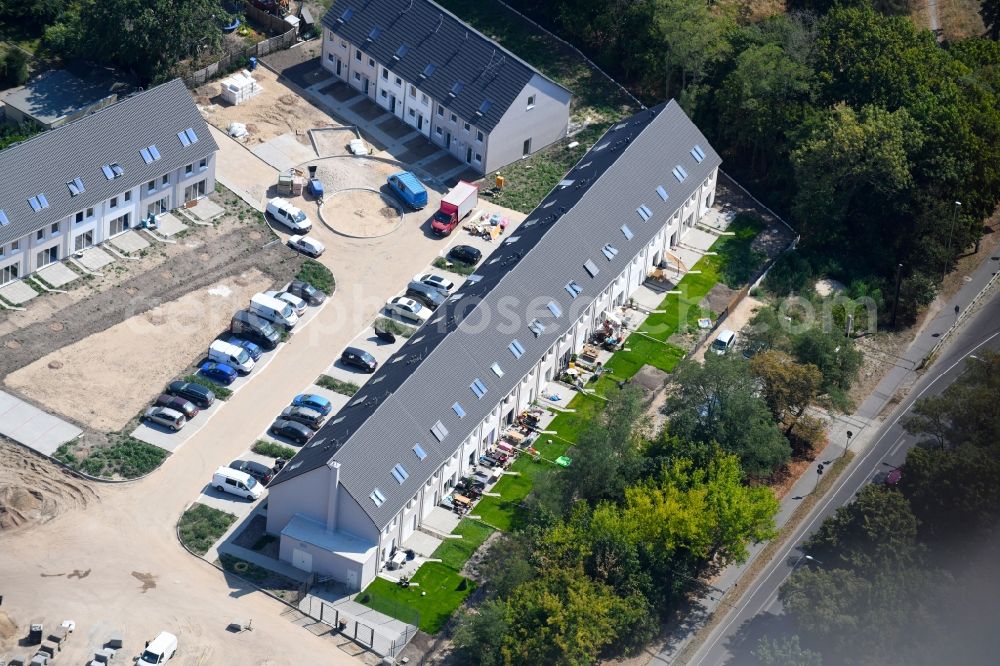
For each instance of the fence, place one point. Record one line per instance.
(385, 641)
(232, 61)
(274, 24)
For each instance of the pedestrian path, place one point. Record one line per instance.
(30, 426)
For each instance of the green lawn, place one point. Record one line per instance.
(201, 526)
(443, 595)
(681, 311)
(454, 553)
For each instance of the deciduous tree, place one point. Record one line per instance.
(789, 387)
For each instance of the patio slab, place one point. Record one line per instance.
(17, 292)
(94, 258)
(57, 274)
(206, 210)
(441, 520)
(32, 427)
(167, 224)
(129, 242)
(423, 543)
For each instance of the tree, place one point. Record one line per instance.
(789, 387)
(836, 356)
(717, 402)
(480, 633)
(687, 40)
(990, 11)
(15, 67)
(785, 651)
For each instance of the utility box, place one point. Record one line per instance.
(290, 182)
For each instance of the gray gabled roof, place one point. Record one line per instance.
(431, 35)
(45, 163)
(419, 384)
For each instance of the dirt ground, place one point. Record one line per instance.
(123, 367)
(275, 111)
(736, 320)
(34, 491)
(361, 213)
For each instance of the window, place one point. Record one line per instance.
(90, 212)
(441, 111)
(357, 55)
(149, 154)
(456, 88)
(458, 410)
(114, 202)
(555, 309)
(189, 169)
(399, 81)
(679, 173)
(454, 118)
(413, 113)
(610, 251)
(574, 289)
(697, 153)
(15, 246)
(439, 131)
(516, 348)
(479, 136)
(385, 95)
(375, 32)
(627, 232)
(75, 187)
(536, 327)
(150, 186)
(401, 51)
(40, 235)
(662, 192)
(185, 141)
(591, 268)
(413, 91)
(79, 217)
(4, 220)
(429, 69)
(467, 127)
(203, 164)
(343, 44)
(371, 62)
(419, 451)
(531, 102)
(484, 107)
(357, 76)
(38, 202)
(166, 179)
(55, 228)
(439, 431)
(377, 497)
(644, 212)
(479, 388)
(400, 474)
(128, 196)
(385, 74)
(112, 171)
(479, 158)
(423, 98)
(526, 148)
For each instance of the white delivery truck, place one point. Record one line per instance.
(273, 309)
(238, 358)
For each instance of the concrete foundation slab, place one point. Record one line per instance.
(168, 225)
(94, 258)
(205, 210)
(57, 274)
(129, 242)
(17, 292)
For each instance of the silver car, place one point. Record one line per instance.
(443, 285)
(303, 415)
(166, 417)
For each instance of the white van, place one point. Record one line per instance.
(228, 480)
(273, 309)
(159, 650)
(724, 342)
(290, 216)
(228, 353)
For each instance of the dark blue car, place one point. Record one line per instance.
(254, 350)
(218, 372)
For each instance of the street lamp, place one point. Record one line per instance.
(848, 444)
(951, 232)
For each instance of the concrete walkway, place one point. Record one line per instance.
(243, 172)
(30, 426)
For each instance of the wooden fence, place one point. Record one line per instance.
(273, 24)
(239, 59)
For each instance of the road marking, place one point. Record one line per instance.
(898, 444)
(818, 511)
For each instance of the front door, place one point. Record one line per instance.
(447, 140)
(367, 83)
(468, 155)
(339, 64)
(352, 580)
(420, 121)
(302, 559)
(392, 103)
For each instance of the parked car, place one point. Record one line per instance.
(159, 650)
(283, 212)
(229, 354)
(178, 404)
(249, 326)
(443, 285)
(754, 347)
(218, 372)
(466, 254)
(258, 471)
(725, 341)
(408, 309)
(166, 417)
(306, 292)
(304, 415)
(227, 480)
(359, 358)
(292, 430)
(313, 401)
(307, 245)
(251, 348)
(298, 305)
(426, 294)
(274, 310)
(196, 393)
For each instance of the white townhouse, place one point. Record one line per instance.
(79, 184)
(461, 90)
(376, 469)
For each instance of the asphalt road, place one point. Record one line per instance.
(760, 612)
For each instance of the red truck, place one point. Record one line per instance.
(455, 205)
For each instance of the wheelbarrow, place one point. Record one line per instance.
(386, 336)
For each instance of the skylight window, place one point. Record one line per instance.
(75, 187)
(154, 152)
(662, 192)
(38, 202)
(516, 348)
(574, 289)
(644, 212)
(458, 410)
(628, 232)
(346, 16)
(429, 69)
(377, 497)
(112, 171)
(439, 431)
(555, 309)
(401, 51)
(591, 268)
(456, 88)
(536, 327)
(376, 31)
(610, 251)
(679, 173)
(497, 370)
(4, 220)
(479, 388)
(184, 140)
(400, 474)
(697, 153)
(484, 107)
(192, 137)
(147, 157)
(419, 451)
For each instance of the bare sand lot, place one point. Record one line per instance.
(105, 379)
(34, 491)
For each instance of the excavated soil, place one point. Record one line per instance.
(34, 490)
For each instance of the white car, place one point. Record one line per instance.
(443, 285)
(288, 215)
(297, 303)
(408, 309)
(306, 245)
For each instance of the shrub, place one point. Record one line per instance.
(395, 327)
(344, 388)
(272, 449)
(201, 526)
(221, 392)
(317, 275)
(807, 436)
(127, 458)
(790, 272)
(454, 266)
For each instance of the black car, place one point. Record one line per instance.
(359, 358)
(292, 430)
(426, 294)
(306, 292)
(256, 329)
(262, 473)
(466, 254)
(307, 417)
(196, 393)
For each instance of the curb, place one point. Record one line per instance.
(382, 195)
